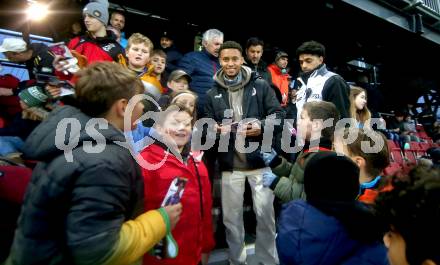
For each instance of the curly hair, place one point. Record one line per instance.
(412, 209)
(311, 47)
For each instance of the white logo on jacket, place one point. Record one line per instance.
(316, 84)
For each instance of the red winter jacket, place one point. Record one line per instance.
(281, 81)
(9, 105)
(193, 233)
(94, 50)
(90, 49)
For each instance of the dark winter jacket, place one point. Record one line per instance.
(261, 70)
(41, 60)
(173, 58)
(307, 235)
(259, 101)
(201, 66)
(83, 211)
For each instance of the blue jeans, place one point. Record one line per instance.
(10, 144)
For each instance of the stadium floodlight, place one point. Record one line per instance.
(36, 11)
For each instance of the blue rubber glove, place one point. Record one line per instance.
(268, 178)
(268, 157)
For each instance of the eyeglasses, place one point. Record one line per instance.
(308, 93)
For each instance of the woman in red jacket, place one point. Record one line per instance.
(193, 233)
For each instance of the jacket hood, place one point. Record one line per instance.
(321, 238)
(56, 134)
(246, 77)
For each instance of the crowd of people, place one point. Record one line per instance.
(107, 144)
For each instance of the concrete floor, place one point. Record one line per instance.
(220, 256)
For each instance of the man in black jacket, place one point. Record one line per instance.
(240, 102)
(173, 55)
(316, 83)
(35, 55)
(254, 52)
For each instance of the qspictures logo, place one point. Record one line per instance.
(205, 134)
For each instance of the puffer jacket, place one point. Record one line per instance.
(97, 49)
(259, 102)
(193, 233)
(173, 58)
(92, 50)
(281, 81)
(89, 210)
(309, 236)
(201, 66)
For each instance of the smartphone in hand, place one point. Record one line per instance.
(60, 49)
(175, 191)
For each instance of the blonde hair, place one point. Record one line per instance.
(360, 115)
(176, 94)
(137, 38)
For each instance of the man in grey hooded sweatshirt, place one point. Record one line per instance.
(240, 103)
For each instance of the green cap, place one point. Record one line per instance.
(33, 96)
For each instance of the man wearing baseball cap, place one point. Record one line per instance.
(13, 45)
(35, 55)
(178, 80)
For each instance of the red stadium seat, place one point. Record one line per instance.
(396, 156)
(422, 135)
(392, 145)
(417, 149)
(392, 169)
(410, 156)
(424, 146)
